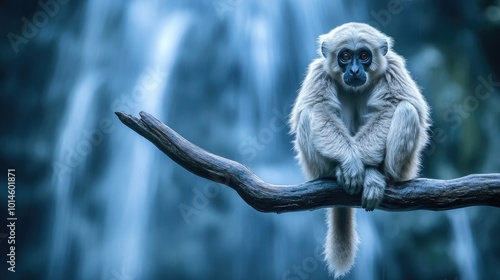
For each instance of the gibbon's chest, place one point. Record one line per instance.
(355, 111)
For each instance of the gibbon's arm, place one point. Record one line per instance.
(332, 140)
(372, 137)
(329, 135)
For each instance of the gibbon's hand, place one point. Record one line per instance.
(351, 174)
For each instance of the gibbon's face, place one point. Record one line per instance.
(354, 65)
(354, 54)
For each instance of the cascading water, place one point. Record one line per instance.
(463, 245)
(128, 178)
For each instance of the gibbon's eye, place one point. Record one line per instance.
(364, 56)
(345, 56)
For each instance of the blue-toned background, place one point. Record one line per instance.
(94, 200)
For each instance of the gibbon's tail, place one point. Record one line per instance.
(341, 240)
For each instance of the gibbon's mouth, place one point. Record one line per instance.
(354, 81)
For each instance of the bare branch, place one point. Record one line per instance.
(427, 194)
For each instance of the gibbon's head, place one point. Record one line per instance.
(354, 53)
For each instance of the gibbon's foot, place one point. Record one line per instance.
(351, 175)
(373, 189)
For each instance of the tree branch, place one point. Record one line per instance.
(427, 194)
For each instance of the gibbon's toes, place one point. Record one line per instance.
(369, 200)
(373, 193)
(373, 189)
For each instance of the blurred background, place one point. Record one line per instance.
(94, 200)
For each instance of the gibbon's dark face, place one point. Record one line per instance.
(354, 65)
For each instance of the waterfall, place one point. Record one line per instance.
(463, 245)
(225, 72)
(126, 182)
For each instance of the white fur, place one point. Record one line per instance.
(363, 135)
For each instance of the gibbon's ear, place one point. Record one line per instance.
(384, 47)
(324, 49)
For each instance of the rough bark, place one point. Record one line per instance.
(418, 194)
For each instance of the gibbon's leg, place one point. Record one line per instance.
(314, 165)
(401, 158)
(341, 240)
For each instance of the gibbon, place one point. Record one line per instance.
(359, 117)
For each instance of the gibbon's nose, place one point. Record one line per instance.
(354, 70)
